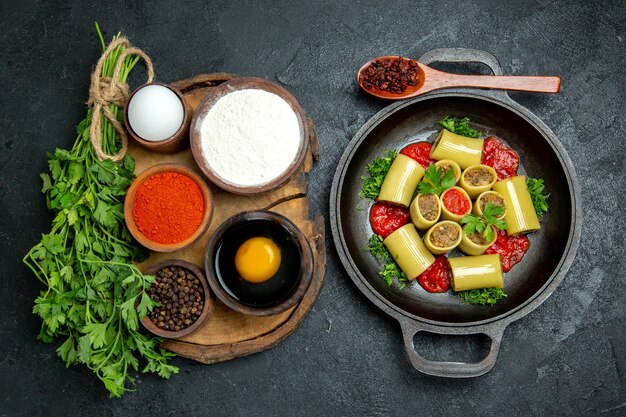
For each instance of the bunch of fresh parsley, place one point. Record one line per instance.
(376, 171)
(459, 126)
(540, 201)
(435, 181)
(390, 268)
(482, 224)
(93, 296)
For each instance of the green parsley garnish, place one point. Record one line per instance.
(435, 181)
(483, 296)
(377, 171)
(459, 126)
(540, 201)
(390, 268)
(482, 223)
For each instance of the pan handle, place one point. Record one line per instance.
(451, 369)
(462, 55)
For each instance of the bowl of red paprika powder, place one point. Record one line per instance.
(168, 207)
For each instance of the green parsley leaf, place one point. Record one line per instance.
(459, 126)
(47, 183)
(53, 243)
(96, 333)
(390, 268)
(128, 313)
(484, 296)
(540, 200)
(436, 181)
(104, 214)
(377, 248)
(145, 305)
(76, 171)
(491, 211)
(68, 352)
(55, 167)
(483, 223)
(376, 171)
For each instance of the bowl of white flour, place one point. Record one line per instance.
(249, 135)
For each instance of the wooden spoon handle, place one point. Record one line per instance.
(538, 84)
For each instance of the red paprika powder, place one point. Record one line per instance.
(168, 207)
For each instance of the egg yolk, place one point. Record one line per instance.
(257, 259)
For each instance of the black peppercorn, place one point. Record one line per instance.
(181, 296)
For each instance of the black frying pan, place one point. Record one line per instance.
(529, 283)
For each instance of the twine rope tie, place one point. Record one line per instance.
(104, 91)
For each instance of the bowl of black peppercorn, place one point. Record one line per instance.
(181, 290)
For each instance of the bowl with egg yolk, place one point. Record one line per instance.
(259, 263)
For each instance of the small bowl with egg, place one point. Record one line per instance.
(249, 135)
(259, 263)
(157, 116)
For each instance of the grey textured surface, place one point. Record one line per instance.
(566, 358)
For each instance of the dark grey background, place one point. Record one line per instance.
(566, 358)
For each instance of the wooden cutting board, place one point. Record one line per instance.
(228, 334)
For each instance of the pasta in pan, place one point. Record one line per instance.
(520, 216)
(477, 179)
(485, 216)
(473, 272)
(443, 237)
(446, 164)
(425, 210)
(475, 243)
(408, 250)
(489, 197)
(401, 181)
(464, 151)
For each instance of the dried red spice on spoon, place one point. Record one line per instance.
(393, 75)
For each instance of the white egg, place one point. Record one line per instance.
(155, 113)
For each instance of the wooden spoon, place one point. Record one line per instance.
(430, 79)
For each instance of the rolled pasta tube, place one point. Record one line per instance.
(487, 197)
(520, 214)
(443, 237)
(465, 151)
(477, 179)
(401, 181)
(425, 210)
(450, 164)
(474, 272)
(475, 246)
(408, 250)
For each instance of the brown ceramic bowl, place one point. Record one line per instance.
(279, 293)
(178, 141)
(245, 84)
(206, 310)
(130, 200)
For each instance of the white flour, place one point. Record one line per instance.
(250, 137)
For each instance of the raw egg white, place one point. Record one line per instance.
(257, 259)
(155, 113)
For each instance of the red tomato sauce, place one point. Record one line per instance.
(456, 202)
(386, 219)
(510, 248)
(500, 157)
(437, 277)
(420, 151)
